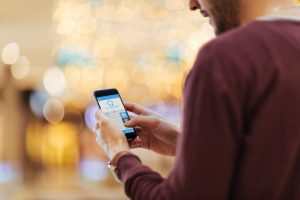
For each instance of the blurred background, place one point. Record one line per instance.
(54, 54)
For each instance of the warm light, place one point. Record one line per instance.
(195, 41)
(63, 11)
(92, 79)
(106, 12)
(157, 90)
(129, 44)
(124, 14)
(53, 145)
(66, 27)
(10, 53)
(54, 81)
(105, 46)
(81, 10)
(71, 10)
(59, 145)
(87, 25)
(208, 31)
(33, 141)
(156, 13)
(175, 4)
(20, 69)
(169, 73)
(80, 99)
(117, 78)
(53, 111)
(37, 101)
(73, 74)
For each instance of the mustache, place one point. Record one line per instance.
(204, 13)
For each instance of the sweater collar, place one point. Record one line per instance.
(283, 13)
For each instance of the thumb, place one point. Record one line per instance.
(100, 117)
(141, 121)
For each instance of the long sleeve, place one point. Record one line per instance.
(207, 153)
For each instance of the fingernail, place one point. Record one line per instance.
(138, 141)
(96, 114)
(127, 123)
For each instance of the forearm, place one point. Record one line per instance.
(140, 181)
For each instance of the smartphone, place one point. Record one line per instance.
(111, 104)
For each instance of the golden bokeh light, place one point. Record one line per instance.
(106, 12)
(54, 81)
(73, 75)
(66, 27)
(86, 25)
(20, 69)
(52, 145)
(92, 78)
(175, 4)
(53, 111)
(10, 53)
(105, 46)
(136, 44)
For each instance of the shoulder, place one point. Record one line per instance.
(237, 48)
(230, 57)
(237, 41)
(243, 36)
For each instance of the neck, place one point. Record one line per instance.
(253, 9)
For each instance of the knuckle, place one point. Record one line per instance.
(154, 121)
(104, 122)
(133, 106)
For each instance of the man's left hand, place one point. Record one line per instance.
(108, 137)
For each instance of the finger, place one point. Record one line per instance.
(141, 121)
(138, 129)
(135, 143)
(106, 129)
(101, 118)
(137, 109)
(96, 130)
(131, 116)
(100, 142)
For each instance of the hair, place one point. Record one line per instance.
(227, 14)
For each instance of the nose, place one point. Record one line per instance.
(194, 5)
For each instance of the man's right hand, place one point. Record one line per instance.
(155, 133)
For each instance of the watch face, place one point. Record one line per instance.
(109, 164)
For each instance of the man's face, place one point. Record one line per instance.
(223, 14)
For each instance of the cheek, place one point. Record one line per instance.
(204, 4)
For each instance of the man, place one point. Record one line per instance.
(241, 123)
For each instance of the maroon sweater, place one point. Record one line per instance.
(241, 122)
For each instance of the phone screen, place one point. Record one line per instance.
(113, 108)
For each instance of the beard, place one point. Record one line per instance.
(226, 15)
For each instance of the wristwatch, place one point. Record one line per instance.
(112, 164)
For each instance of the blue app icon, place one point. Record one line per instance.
(123, 115)
(110, 103)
